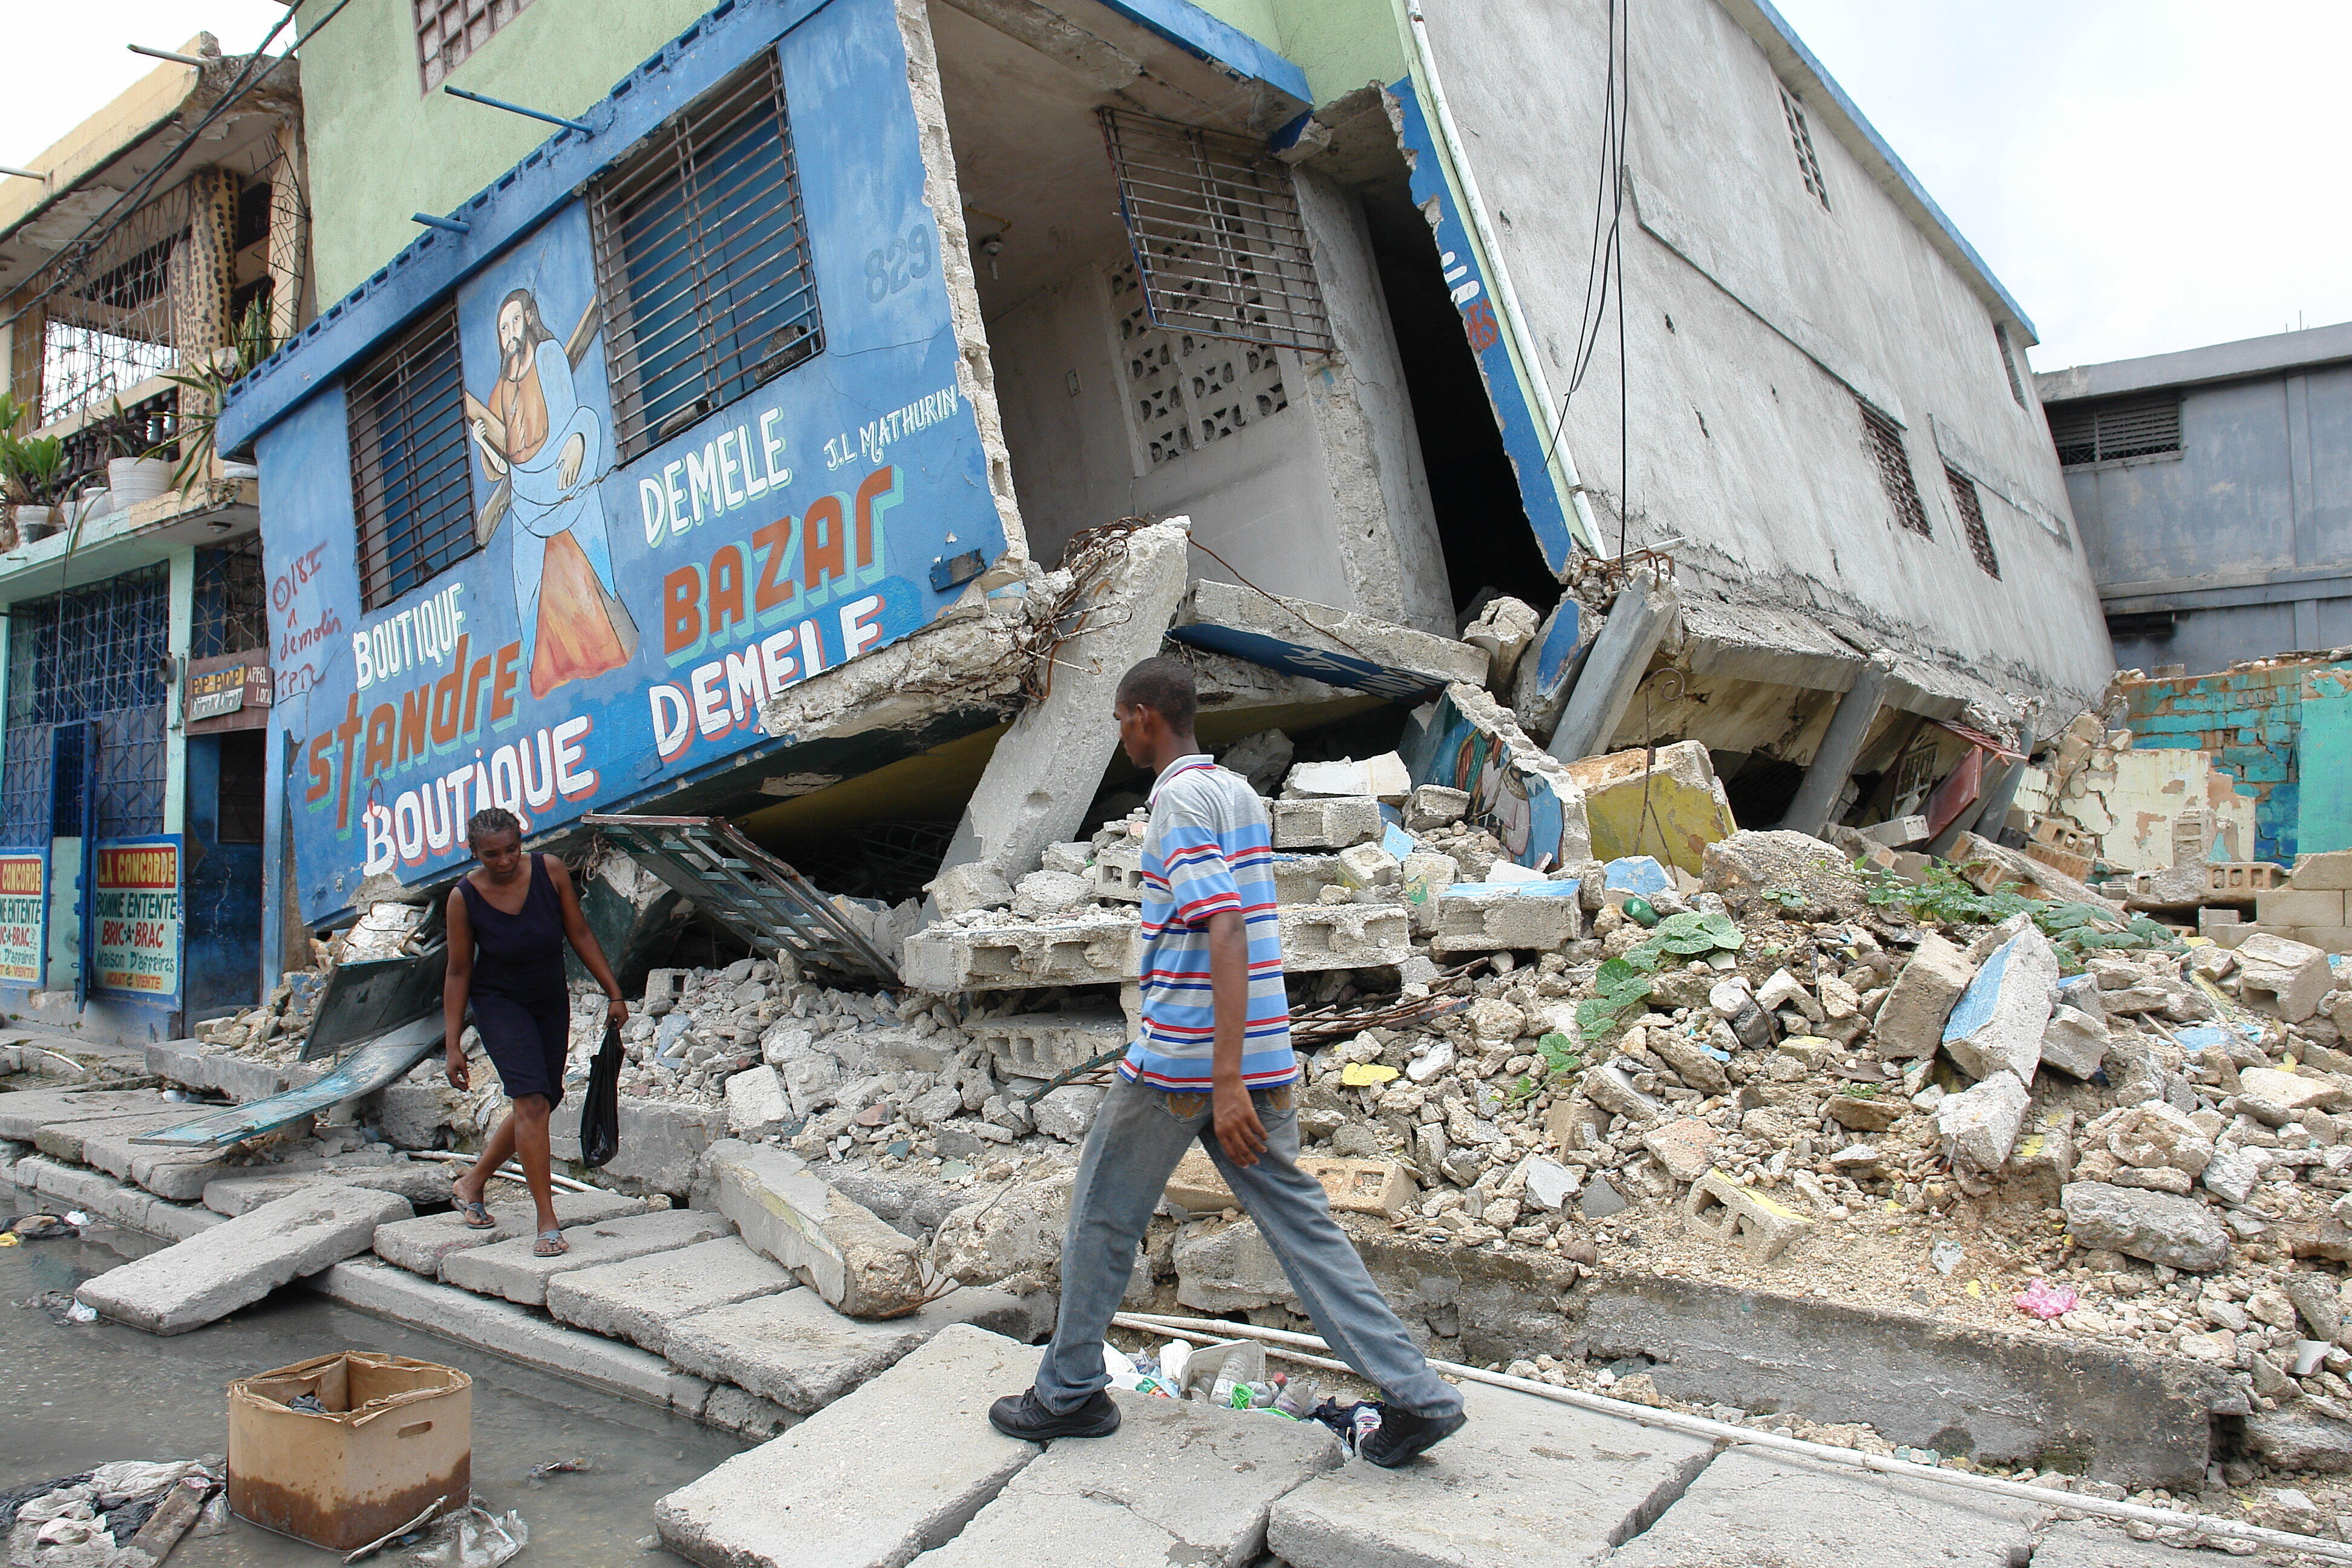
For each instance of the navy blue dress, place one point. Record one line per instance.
(521, 1006)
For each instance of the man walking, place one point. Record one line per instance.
(1214, 1063)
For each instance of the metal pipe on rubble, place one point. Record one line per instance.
(1214, 1328)
(511, 1170)
(1523, 342)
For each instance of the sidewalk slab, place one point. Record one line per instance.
(1528, 1483)
(809, 1498)
(420, 1182)
(1176, 1483)
(795, 1349)
(1753, 1507)
(129, 1206)
(235, 1264)
(25, 1112)
(838, 1248)
(639, 1300)
(512, 1269)
(179, 1175)
(2095, 1546)
(420, 1245)
(515, 1332)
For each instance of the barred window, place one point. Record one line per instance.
(2116, 428)
(85, 710)
(449, 30)
(702, 253)
(1973, 518)
(1884, 440)
(411, 486)
(1801, 137)
(229, 611)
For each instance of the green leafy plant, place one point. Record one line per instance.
(1624, 983)
(2076, 931)
(1524, 1090)
(1789, 899)
(34, 468)
(1860, 1091)
(204, 386)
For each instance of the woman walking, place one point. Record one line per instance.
(508, 924)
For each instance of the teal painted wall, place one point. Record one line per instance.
(2323, 818)
(2283, 731)
(381, 148)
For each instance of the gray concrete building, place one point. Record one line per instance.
(2213, 487)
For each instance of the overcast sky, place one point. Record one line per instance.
(2143, 174)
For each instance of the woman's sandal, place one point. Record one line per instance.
(551, 1244)
(476, 1213)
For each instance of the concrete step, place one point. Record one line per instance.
(1752, 1506)
(816, 1497)
(235, 1264)
(512, 1269)
(25, 1113)
(94, 1192)
(1528, 1483)
(1176, 1483)
(421, 1181)
(420, 1245)
(794, 1349)
(639, 1300)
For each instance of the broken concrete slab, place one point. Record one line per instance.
(1541, 917)
(857, 1262)
(421, 1244)
(1474, 745)
(1666, 803)
(420, 1182)
(2088, 1545)
(638, 1299)
(1319, 643)
(807, 1499)
(1527, 1482)
(242, 1078)
(2075, 1041)
(945, 959)
(135, 1208)
(1977, 1127)
(1178, 1482)
(661, 1146)
(2157, 1227)
(1911, 1020)
(511, 1268)
(794, 1349)
(178, 1174)
(236, 1263)
(68, 1138)
(1230, 1268)
(1748, 1507)
(1343, 936)
(25, 1113)
(1048, 1044)
(2282, 976)
(756, 1102)
(1997, 1022)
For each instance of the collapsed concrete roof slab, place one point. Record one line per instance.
(1752, 642)
(1323, 644)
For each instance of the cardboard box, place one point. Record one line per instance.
(395, 1438)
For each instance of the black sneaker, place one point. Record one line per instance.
(1403, 1435)
(1021, 1416)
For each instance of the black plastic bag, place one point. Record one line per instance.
(600, 1111)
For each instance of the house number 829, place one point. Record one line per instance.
(890, 268)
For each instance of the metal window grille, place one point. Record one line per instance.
(449, 30)
(2119, 427)
(1973, 518)
(1801, 136)
(410, 482)
(1220, 246)
(86, 690)
(1884, 439)
(229, 613)
(703, 255)
(108, 317)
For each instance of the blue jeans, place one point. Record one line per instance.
(1139, 1136)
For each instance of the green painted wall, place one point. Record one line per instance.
(2323, 815)
(381, 149)
(1340, 44)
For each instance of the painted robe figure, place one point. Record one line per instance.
(551, 454)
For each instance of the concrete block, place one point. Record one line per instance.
(1100, 951)
(1230, 1269)
(661, 1142)
(1421, 880)
(1733, 1212)
(792, 1349)
(1757, 1507)
(1673, 807)
(2300, 907)
(421, 1244)
(1325, 823)
(518, 1333)
(71, 1186)
(235, 1264)
(1343, 936)
(809, 1498)
(638, 1299)
(1435, 805)
(1911, 1021)
(1979, 1126)
(512, 1270)
(2327, 939)
(1117, 870)
(853, 1259)
(1527, 1483)
(1542, 917)
(1069, 1112)
(1997, 1022)
(2285, 977)
(1177, 1482)
(1898, 832)
(1379, 1187)
(974, 885)
(1367, 867)
(2157, 1227)
(2232, 935)
(1300, 878)
(2330, 870)
(420, 1182)
(756, 1102)
(2074, 1042)
(1048, 1044)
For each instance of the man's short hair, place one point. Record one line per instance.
(1164, 686)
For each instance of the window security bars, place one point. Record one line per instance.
(411, 484)
(87, 667)
(1973, 518)
(702, 253)
(449, 30)
(1220, 246)
(1801, 137)
(111, 318)
(230, 613)
(2121, 428)
(1884, 439)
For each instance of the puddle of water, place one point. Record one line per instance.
(77, 1396)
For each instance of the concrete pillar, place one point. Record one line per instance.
(1833, 765)
(1619, 657)
(1042, 776)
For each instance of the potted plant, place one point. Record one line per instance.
(204, 385)
(131, 474)
(34, 474)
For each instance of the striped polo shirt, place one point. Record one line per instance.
(1206, 850)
